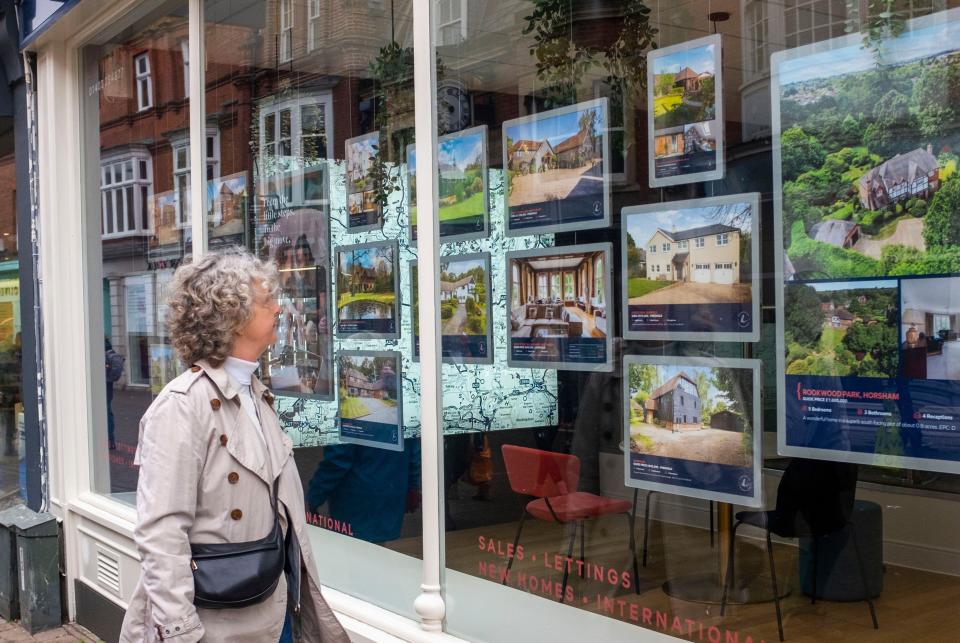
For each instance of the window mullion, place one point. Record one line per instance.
(198, 130)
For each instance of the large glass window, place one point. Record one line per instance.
(138, 162)
(300, 93)
(630, 415)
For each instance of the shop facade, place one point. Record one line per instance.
(566, 289)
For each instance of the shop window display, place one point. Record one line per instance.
(695, 262)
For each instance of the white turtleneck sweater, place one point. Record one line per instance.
(241, 374)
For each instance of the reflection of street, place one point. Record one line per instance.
(456, 324)
(129, 405)
(377, 411)
(702, 445)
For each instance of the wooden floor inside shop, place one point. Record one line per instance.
(914, 605)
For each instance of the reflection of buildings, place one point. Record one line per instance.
(914, 174)
(676, 404)
(767, 27)
(706, 254)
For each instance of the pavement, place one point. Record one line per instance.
(14, 633)
(378, 411)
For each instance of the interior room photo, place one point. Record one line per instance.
(930, 329)
(559, 295)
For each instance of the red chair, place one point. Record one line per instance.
(552, 478)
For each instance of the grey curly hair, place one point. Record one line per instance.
(211, 299)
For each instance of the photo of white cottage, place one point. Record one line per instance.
(458, 290)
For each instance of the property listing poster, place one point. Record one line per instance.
(465, 324)
(685, 90)
(463, 206)
(560, 307)
(690, 269)
(868, 233)
(692, 427)
(367, 290)
(369, 399)
(557, 169)
(362, 157)
(297, 240)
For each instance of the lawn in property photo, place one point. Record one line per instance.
(640, 286)
(351, 407)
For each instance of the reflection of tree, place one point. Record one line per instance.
(562, 61)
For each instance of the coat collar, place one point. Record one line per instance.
(279, 444)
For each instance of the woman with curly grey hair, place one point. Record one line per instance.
(216, 469)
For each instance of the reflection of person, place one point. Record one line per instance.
(368, 488)
(211, 451)
(114, 371)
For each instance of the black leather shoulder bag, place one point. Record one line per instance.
(233, 575)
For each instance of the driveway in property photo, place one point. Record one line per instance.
(701, 445)
(378, 411)
(694, 293)
(909, 232)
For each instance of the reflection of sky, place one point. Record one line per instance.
(460, 267)
(411, 160)
(848, 285)
(666, 372)
(699, 59)
(642, 226)
(553, 128)
(910, 45)
(366, 257)
(460, 150)
(363, 148)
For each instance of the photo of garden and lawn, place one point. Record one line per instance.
(367, 289)
(464, 308)
(462, 185)
(868, 155)
(842, 328)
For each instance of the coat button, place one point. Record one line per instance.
(215, 404)
(223, 440)
(236, 514)
(233, 477)
(195, 368)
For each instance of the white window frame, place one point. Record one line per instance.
(699, 242)
(114, 192)
(723, 239)
(452, 21)
(143, 81)
(313, 24)
(666, 247)
(285, 45)
(653, 249)
(682, 245)
(185, 53)
(212, 169)
(270, 182)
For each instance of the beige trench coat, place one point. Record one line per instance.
(205, 477)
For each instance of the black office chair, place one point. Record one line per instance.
(814, 499)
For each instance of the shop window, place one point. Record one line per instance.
(294, 138)
(451, 21)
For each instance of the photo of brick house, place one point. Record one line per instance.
(529, 156)
(905, 176)
(359, 385)
(576, 150)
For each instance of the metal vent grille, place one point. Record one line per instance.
(108, 571)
